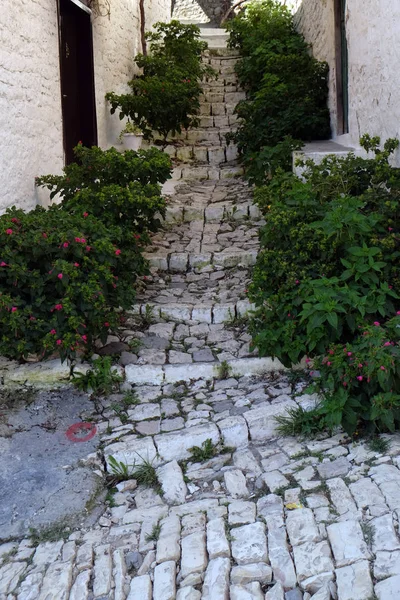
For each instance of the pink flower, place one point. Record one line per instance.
(387, 344)
(76, 264)
(383, 368)
(58, 307)
(60, 276)
(288, 314)
(349, 353)
(3, 264)
(14, 309)
(297, 282)
(9, 231)
(106, 324)
(331, 352)
(59, 342)
(88, 248)
(390, 228)
(376, 323)
(329, 363)
(83, 241)
(77, 239)
(360, 377)
(85, 214)
(344, 383)
(65, 245)
(118, 252)
(84, 337)
(308, 360)
(398, 312)
(32, 318)
(44, 235)
(53, 332)
(14, 220)
(359, 365)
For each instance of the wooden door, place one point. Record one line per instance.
(77, 77)
(342, 68)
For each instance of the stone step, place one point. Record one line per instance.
(210, 313)
(212, 155)
(159, 374)
(182, 262)
(212, 213)
(215, 37)
(200, 173)
(222, 52)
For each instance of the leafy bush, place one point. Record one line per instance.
(286, 89)
(165, 97)
(118, 188)
(328, 270)
(64, 279)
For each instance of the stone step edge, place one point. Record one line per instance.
(181, 262)
(208, 173)
(212, 313)
(211, 213)
(158, 375)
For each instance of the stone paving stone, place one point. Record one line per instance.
(275, 480)
(354, 581)
(194, 556)
(335, 468)
(173, 486)
(367, 494)
(311, 559)
(276, 592)
(384, 536)
(235, 483)
(342, 499)
(9, 576)
(102, 570)
(261, 422)
(251, 591)
(234, 431)
(57, 582)
(387, 477)
(301, 526)
(175, 446)
(279, 555)
(164, 581)
(244, 574)
(249, 544)
(216, 580)
(347, 542)
(29, 588)
(140, 588)
(388, 589)
(168, 543)
(188, 593)
(217, 543)
(241, 512)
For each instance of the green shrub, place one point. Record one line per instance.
(328, 260)
(118, 188)
(165, 97)
(64, 279)
(286, 89)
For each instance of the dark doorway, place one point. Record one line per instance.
(77, 77)
(342, 68)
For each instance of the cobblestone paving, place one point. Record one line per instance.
(251, 515)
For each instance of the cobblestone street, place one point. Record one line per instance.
(250, 515)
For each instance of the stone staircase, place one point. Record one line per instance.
(192, 311)
(202, 152)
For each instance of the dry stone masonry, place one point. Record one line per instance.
(261, 517)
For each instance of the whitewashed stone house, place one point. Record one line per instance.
(360, 40)
(58, 58)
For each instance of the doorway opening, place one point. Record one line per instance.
(342, 68)
(77, 76)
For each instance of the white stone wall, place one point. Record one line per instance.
(30, 100)
(373, 36)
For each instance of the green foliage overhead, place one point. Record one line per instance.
(286, 89)
(165, 97)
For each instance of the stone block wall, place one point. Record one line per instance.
(373, 34)
(201, 11)
(30, 99)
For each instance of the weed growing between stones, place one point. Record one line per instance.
(223, 370)
(100, 380)
(379, 444)
(300, 422)
(204, 452)
(155, 533)
(59, 531)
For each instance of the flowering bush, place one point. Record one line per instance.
(118, 188)
(166, 96)
(329, 268)
(286, 89)
(63, 280)
(365, 376)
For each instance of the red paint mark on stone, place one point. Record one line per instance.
(76, 433)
